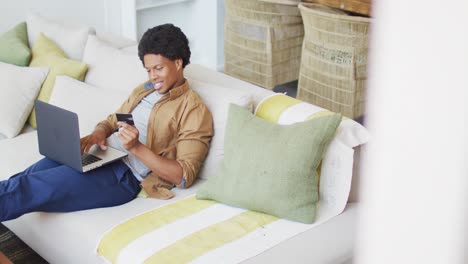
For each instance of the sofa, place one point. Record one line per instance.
(108, 67)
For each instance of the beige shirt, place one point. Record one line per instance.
(180, 127)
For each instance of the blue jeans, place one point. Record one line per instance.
(49, 186)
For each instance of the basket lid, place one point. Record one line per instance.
(282, 2)
(323, 9)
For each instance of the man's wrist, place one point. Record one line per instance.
(101, 131)
(136, 149)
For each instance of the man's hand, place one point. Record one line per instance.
(97, 137)
(129, 136)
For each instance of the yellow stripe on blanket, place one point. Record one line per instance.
(122, 235)
(209, 238)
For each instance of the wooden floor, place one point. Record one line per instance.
(14, 250)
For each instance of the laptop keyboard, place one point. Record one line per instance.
(88, 159)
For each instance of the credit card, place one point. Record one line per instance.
(127, 118)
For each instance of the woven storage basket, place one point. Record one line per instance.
(263, 41)
(334, 60)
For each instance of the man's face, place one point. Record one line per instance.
(163, 73)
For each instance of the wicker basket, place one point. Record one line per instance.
(263, 41)
(334, 59)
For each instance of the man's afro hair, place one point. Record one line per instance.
(166, 40)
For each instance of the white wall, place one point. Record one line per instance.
(201, 20)
(88, 12)
(220, 35)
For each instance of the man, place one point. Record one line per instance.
(166, 147)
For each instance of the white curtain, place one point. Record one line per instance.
(415, 178)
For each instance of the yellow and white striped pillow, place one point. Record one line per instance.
(282, 109)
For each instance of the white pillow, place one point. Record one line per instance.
(19, 87)
(115, 41)
(131, 49)
(91, 104)
(111, 68)
(70, 38)
(217, 99)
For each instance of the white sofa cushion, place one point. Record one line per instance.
(217, 98)
(69, 37)
(91, 104)
(19, 87)
(112, 68)
(133, 49)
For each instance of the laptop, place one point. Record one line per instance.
(58, 135)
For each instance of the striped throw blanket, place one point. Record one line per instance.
(197, 231)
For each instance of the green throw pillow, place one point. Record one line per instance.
(14, 46)
(271, 168)
(45, 53)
